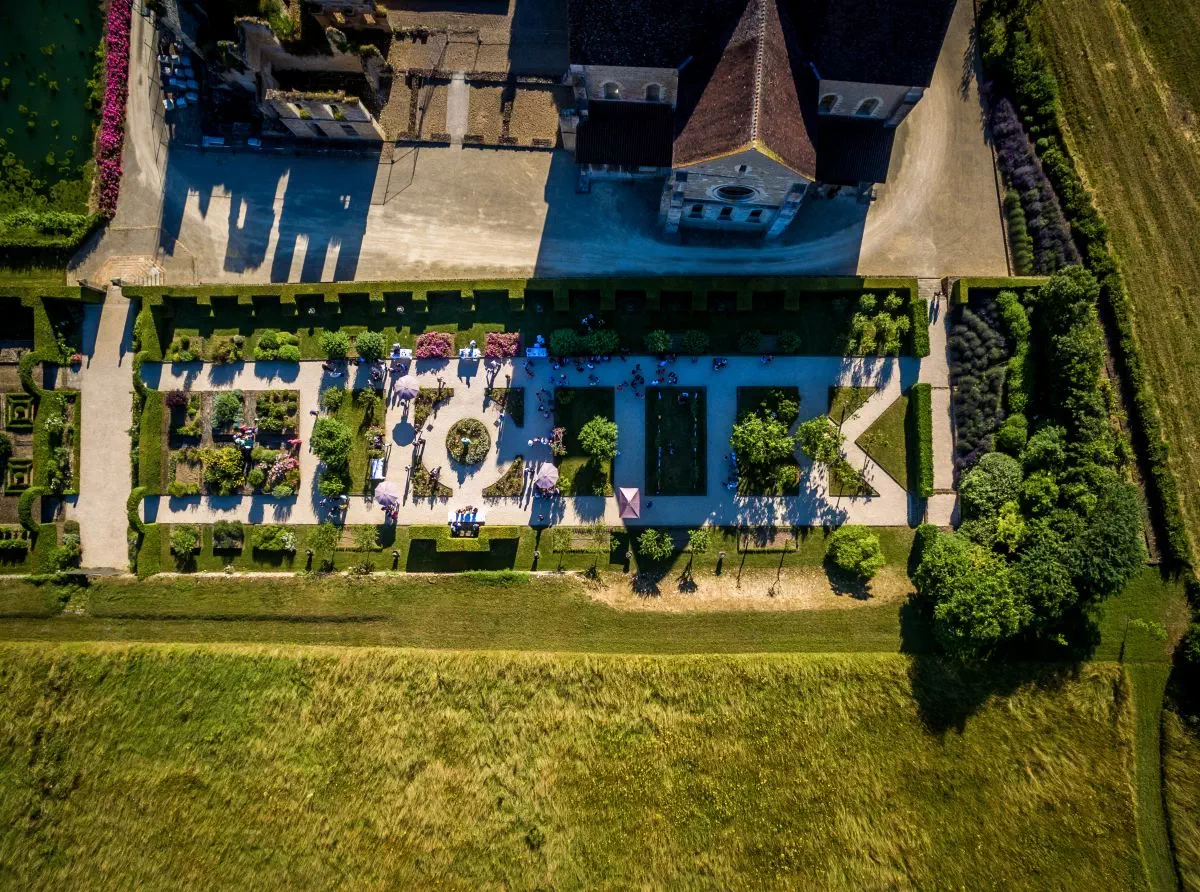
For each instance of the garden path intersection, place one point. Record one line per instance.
(813, 375)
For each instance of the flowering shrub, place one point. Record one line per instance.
(279, 471)
(116, 91)
(502, 345)
(1053, 247)
(434, 345)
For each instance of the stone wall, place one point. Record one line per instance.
(322, 116)
(851, 95)
(631, 81)
(703, 205)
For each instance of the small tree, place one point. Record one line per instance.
(761, 440)
(598, 438)
(323, 541)
(369, 345)
(699, 541)
(654, 545)
(820, 440)
(335, 344)
(560, 543)
(331, 441)
(600, 540)
(184, 541)
(855, 549)
(657, 341)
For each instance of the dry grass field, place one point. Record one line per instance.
(186, 767)
(1130, 83)
(1181, 776)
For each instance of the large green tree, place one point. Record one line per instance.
(976, 604)
(760, 440)
(598, 438)
(331, 441)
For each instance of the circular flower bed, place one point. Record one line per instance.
(468, 453)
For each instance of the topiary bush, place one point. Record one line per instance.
(996, 479)
(856, 550)
(468, 453)
(694, 342)
(657, 341)
(335, 344)
(369, 345)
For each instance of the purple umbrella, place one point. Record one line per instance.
(387, 494)
(546, 477)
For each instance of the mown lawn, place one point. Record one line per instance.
(1129, 88)
(200, 767)
(676, 441)
(887, 442)
(486, 611)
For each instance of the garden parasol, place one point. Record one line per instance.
(629, 500)
(406, 387)
(546, 477)
(387, 494)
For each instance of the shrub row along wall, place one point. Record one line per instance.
(46, 347)
(792, 294)
(1019, 67)
(960, 295)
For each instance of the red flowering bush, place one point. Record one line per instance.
(116, 91)
(502, 345)
(434, 345)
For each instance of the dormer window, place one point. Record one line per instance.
(828, 103)
(653, 93)
(612, 90)
(867, 108)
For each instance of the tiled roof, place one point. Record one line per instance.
(747, 66)
(634, 134)
(853, 150)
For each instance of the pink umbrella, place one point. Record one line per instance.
(387, 494)
(546, 477)
(629, 500)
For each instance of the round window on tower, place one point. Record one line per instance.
(735, 193)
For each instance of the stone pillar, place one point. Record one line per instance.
(791, 204)
(671, 204)
(568, 123)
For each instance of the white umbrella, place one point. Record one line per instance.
(406, 387)
(387, 494)
(546, 477)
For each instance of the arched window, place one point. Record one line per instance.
(867, 107)
(828, 103)
(653, 93)
(612, 90)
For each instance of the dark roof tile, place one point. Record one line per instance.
(634, 134)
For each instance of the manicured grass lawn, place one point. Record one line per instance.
(579, 474)
(681, 428)
(887, 442)
(467, 610)
(1136, 61)
(182, 766)
(748, 400)
(362, 409)
(845, 401)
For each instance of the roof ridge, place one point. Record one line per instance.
(759, 51)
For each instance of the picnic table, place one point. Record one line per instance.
(466, 517)
(535, 353)
(377, 472)
(470, 353)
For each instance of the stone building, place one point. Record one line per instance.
(322, 115)
(746, 107)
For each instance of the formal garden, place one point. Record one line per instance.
(40, 430)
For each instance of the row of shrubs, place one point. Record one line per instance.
(1018, 66)
(921, 399)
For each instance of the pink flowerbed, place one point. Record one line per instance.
(116, 91)
(502, 345)
(434, 345)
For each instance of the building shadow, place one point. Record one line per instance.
(303, 217)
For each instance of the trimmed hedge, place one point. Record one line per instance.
(921, 400)
(149, 556)
(919, 312)
(132, 509)
(446, 542)
(43, 544)
(25, 508)
(150, 443)
(960, 294)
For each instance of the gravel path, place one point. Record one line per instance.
(104, 477)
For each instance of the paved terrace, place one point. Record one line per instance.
(812, 375)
